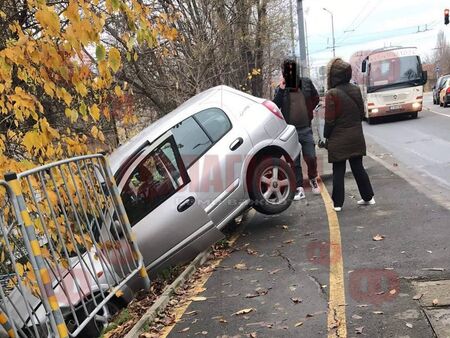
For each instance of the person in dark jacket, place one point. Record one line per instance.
(344, 112)
(297, 106)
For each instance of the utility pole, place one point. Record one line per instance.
(332, 31)
(301, 38)
(291, 10)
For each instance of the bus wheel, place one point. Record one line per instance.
(414, 115)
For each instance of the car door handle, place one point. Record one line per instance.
(186, 204)
(236, 143)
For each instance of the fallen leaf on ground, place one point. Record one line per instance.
(356, 317)
(198, 299)
(378, 312)
(362, 305)
(191, 313)
(297, 300)
(285, 227)
(221, 320)
(378, 238)
(259, 269)
(244, 311)
(409, 325)
(289, 241)
(184, 330)
(204, 333)
(308, 315)
(275, 271)
(359, 330)
(251, 252)
(252, 335)
(417, 297)
(298, 324)
(393, 292)
(429, 251)
(435, 302)
(240, 266)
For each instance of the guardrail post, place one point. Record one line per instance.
(131, 236)
(4, 321)
(43, 279)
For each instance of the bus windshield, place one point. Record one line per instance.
(394, 71)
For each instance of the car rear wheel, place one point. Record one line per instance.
(273, 186)
(414, 115)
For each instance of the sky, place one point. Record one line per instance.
(371, 24)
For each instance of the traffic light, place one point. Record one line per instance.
(446, 19)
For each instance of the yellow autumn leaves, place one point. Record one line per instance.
(59, 66)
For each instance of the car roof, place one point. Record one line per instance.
(213, 97)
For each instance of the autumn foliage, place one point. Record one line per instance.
(57, 60)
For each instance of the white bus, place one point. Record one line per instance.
(391, 81)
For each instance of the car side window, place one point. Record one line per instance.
(215, 122)
(158, 176)
(191, 140)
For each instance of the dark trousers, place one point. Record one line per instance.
(306, 139)
(360, 175)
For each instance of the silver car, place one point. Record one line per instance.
(184, 177)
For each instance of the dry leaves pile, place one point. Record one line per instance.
(145, 300)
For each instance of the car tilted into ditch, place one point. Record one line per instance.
(183, 178)
(181, 181)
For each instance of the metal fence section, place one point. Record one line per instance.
(76, 250)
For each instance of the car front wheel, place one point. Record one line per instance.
(273, 186)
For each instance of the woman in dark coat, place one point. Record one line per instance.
(344, 112)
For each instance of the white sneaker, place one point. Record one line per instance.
(299, 194)
(315, 186)
(371, 202)
(337, 209)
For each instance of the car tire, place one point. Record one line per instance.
(97, 325)
(414, 115)
(272, 186)
(371, 120)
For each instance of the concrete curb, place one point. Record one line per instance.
(163, 300)
(160, 304)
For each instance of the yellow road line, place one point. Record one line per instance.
(337, 326)
(197, 288)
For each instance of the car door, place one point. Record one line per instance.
(216, 168)
(165, 217)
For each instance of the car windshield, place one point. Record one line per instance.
(393, 71)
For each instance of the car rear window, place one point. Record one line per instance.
(215, 122)
(192, 141)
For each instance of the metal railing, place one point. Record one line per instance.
(66, 247)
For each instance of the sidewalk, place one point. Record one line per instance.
(276, 283)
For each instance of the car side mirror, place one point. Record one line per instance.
(364, 66)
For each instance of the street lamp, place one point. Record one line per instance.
(332, 28)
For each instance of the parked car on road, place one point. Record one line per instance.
(183, 178)
(444, 95)
(438, 87)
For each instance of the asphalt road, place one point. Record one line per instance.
(421, 147)
(282, 271)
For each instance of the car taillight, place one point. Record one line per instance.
(448, 90)
(273, 109)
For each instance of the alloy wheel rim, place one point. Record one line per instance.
(274, 185)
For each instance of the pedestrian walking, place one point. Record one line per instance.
(344, 112)
(297, 100)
